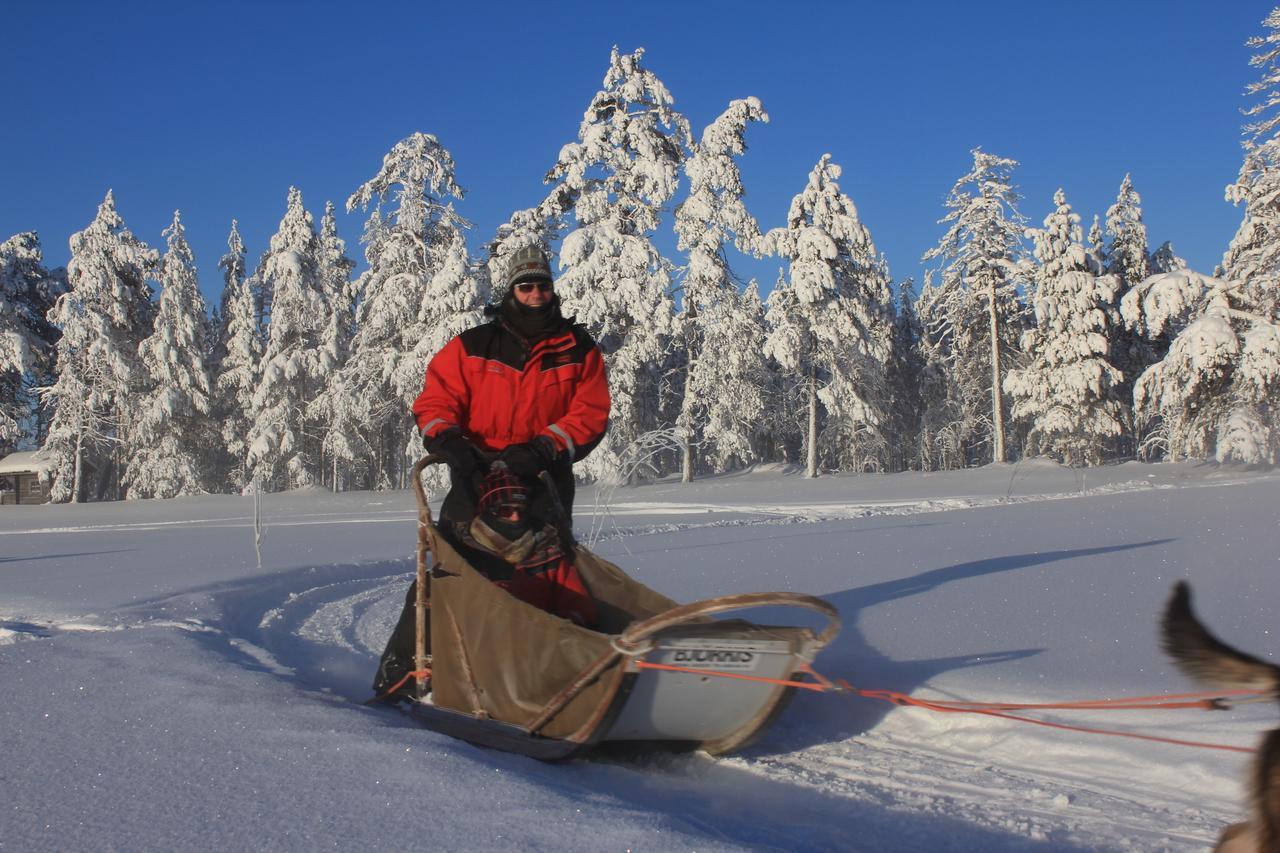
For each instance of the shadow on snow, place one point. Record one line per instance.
(821, 718)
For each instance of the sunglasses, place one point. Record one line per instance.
(531, 286)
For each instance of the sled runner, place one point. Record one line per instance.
(507, 675)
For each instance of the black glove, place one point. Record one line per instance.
(530, 459)
(461, 455)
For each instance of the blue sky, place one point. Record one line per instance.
(218, 109)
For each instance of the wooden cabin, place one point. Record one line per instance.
(25, 478)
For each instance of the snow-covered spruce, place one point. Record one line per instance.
(1162, 305)
(973, 317)
(343, 451)
(1155, 312)
(27, 338)
(623, 168)
(1126, 252)
(736, 381)
(419, 291)
(103, 317)
(282, 452)
(831, 324)
(721, 331)
(234, 272)
(1126, 258)
(170, 455)
(1066, 390)
(238, 369)
(1164, 260)
(1097, 243)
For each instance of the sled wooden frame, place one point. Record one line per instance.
(615, 666)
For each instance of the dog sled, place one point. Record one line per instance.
(508, 675)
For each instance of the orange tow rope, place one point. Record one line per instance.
(425, 673)
(1203, 701)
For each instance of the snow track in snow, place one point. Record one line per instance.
(330, 634)
(1023, 796)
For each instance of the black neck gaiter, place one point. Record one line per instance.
(532, 324)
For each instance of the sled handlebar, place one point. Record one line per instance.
(426, 545)
(424, 511)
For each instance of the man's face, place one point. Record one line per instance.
(534, 294)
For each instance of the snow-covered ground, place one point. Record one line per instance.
(162, 692)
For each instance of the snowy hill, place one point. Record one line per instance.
(163, 692)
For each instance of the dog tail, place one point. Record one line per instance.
(1205, 658)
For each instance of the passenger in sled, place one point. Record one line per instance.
(519, 395)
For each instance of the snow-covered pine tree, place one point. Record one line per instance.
(236, 379)
(1057, 247)
(712, 215)
(734, 380)
(27, 338)
(1160, 307)
(1127, 260)
(1097, 243)
(1184, 400)
(1164, 260)
(877, 444)
(339, 421)
(1156, 311)
(234, 270)
(1126, 238)
(343, 449)
(945, 424)
(1066, 391)
(624, 167)
(215, 326)
(282, 453)
(169, 455)
(832, 323)
(104, 315)
(452, 302)
(1216, 390)
(335, 274)
(418, 292)
(975, 317)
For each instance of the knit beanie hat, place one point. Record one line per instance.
(527, 264)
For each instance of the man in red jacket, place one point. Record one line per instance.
(503, 402)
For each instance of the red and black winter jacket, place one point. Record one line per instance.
(499, 389)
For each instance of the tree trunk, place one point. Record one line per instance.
(379, 469)
(811, 463)
(117, 476)
(997, 400)
(687, 403)
(77, 476)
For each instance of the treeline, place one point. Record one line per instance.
(1021, 341)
